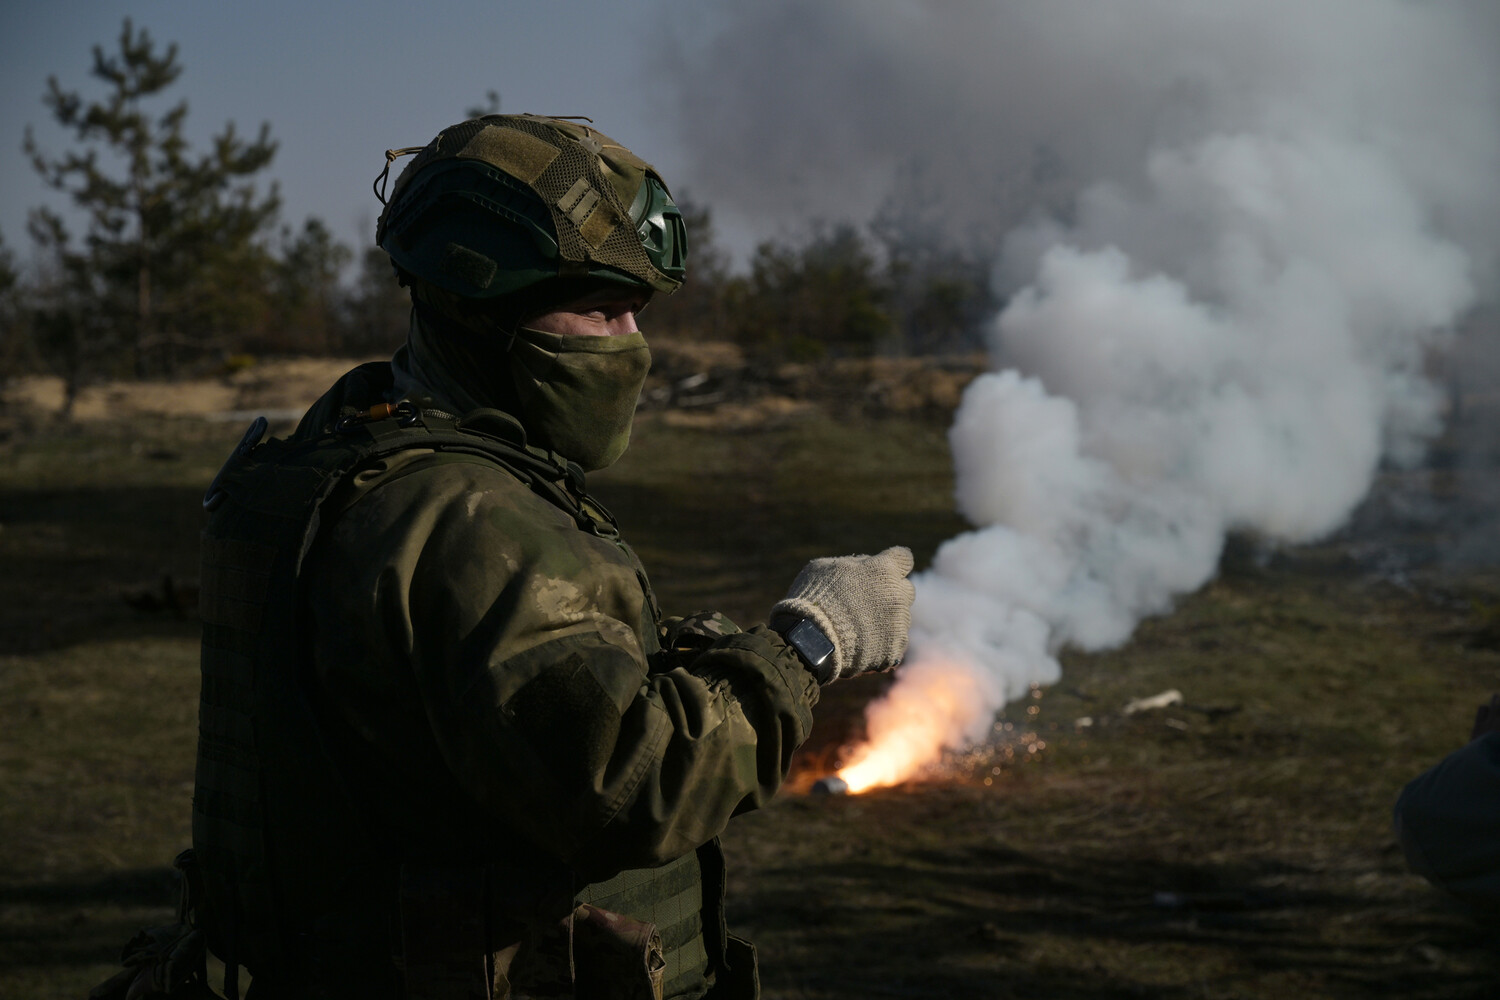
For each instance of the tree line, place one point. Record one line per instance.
(184, 263)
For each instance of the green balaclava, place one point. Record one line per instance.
(575, 395)
(504, 218)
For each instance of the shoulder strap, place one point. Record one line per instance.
(295, 477)
(497, 438)
(490, 434)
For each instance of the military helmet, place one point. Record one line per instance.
(499, 203)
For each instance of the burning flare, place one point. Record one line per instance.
(938, 696)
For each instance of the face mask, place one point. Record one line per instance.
(578, 393)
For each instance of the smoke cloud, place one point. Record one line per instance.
(1231, 236)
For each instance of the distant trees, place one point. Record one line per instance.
(10, 283)
(939, 297)
(839, 292)
(16, 346)
(183, 259)
(823, 297)
(170, 260)
(65, 331)
(376, 309)
(305, 291)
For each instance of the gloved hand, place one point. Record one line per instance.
(862, 604)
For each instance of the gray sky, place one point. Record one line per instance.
(339, 81)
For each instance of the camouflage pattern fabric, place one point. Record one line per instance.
(503, 675)
(696, 631)
(495, 204)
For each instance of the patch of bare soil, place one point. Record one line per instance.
(714, 386)
(702, 386)
(277, 385)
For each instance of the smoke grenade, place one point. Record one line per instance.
(1258, 223)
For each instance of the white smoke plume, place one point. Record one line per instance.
(1256, 221)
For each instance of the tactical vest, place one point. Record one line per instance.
(272, 808)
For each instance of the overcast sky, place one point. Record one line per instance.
(338, 81)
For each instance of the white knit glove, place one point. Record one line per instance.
(862, 604)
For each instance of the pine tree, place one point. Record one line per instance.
(824, 297)
(69, 330)
(171, 265)
(13, 332)
(10, 284)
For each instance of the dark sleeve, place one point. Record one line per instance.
(1448, 822)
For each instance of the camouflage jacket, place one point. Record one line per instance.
(503, 678)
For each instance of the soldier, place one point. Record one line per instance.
(449, 745)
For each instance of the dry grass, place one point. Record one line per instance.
(1236, 846)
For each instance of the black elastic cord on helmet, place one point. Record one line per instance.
(391, 156)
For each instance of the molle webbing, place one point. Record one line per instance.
(671, 897)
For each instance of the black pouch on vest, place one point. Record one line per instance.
(616, 957)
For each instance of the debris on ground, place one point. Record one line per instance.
(1169, 697)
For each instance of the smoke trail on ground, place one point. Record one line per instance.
(1257, 221)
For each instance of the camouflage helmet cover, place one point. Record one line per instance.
(499, 203)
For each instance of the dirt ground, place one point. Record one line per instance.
(1235, 846)
(697, 385)
(276, 386)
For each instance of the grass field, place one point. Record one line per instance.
(1235, 846)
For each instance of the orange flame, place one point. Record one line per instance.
(934, 703)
